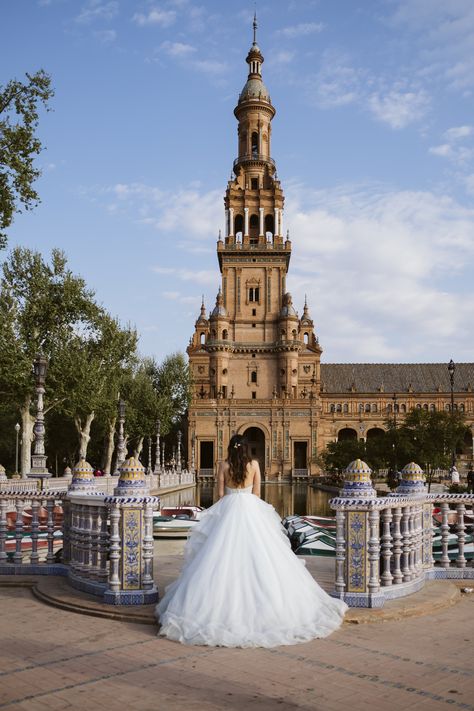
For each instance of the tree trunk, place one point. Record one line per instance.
(27, 437)
(109, 447)
(84, 433)
(138, 448)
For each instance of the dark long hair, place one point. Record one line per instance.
(238, 456)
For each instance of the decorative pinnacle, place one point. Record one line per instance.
(255, 27)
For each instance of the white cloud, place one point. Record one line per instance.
(106, 36)
(399, 108)
(186, 211)
(177, 49)
(304, 28)
(386, 272)
(96, 10)
(204, 277)
(180, 298)
(453, 149)
(444, 150)
(458, 132)
(209, 66)
(469, 182)
(445, 32)
(155, 16)
(337, 83)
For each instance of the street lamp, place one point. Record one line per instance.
(121, 439)
(394, 398)
(38, 458)
(17, 430)
(157, 451)
(451, 369)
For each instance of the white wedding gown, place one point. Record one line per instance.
(241, 584)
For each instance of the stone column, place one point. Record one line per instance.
(261, 222)
(276, 230)
(231, 221)
(246, 222)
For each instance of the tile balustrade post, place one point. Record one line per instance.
(35, 505)
(397, 545)
(50, 529)
(386, 540)
(131, 538)
(114, 548)
(405, 531)
(18, 555)
(340, 584)
(373, 551)
(3, 530)
(445, 562)
(460, 529)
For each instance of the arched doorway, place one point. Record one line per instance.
(375, 432)
(256, 440)
(346, 433)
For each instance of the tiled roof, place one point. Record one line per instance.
(394, 377)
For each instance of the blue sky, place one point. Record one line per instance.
(373, 140)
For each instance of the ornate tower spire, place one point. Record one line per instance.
(255, 27)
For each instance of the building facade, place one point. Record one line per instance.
(255, 363)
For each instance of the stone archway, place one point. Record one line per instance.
(346, 433)
(256, 440)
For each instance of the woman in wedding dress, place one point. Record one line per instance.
(241, 585)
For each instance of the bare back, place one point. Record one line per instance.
(252, 478)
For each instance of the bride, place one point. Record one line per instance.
(241, 585)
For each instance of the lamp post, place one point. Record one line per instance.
(38, 458)
(121, 439)
(451, 369)
(149, 467)
(394, 398)
(157, 452)
(178, 452)
(17, 431)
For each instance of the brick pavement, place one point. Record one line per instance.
(54, 659)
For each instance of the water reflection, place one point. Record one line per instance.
(287, 499)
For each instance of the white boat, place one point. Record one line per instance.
(172, 526)
(322, 544)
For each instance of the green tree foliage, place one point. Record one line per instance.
(19, 144)
(172, 382)
(425, 437)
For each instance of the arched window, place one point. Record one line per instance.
(374, 407)
(425, 406)
(294, 334)
(461, 407)
(238, 226)
(432, 407)
(396, 407)
(255, 150)
(389, 408)
(447, 407)
(332, 408)
(367, 407)
(403, 408)
(338, 408)
(224, 334)
(361, 408)
(269, 226)
(253, 229)
(345, 408)
(418, 407)
(253, 376)
(306, 338)
(202, 338)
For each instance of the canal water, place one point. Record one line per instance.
(287, 499)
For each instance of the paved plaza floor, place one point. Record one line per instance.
(56, 659)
